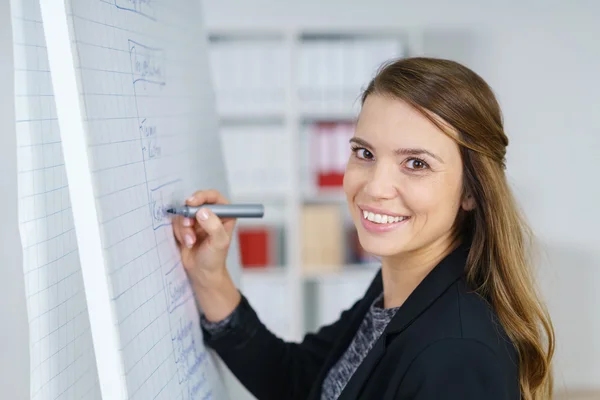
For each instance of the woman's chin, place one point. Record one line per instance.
(379, 249)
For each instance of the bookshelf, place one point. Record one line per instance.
(276, 91)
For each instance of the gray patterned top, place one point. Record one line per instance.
(369, 331)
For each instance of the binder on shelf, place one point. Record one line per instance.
(256, 159)
(330, 150)
(333, 72)
(261, 246)
(356, 254)
(249, 75)
(322, 237)
(329, 175)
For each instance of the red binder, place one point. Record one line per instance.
(330, 151)
(254, 247)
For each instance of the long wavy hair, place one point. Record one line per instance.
(499, 265)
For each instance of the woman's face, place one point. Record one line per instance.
(403, 181)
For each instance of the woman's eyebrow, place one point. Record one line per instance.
(401, 152)
(417, 152)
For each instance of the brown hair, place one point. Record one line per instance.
(499, 264)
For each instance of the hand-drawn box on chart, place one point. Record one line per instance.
(142, 7)
(148, 73)
(160, 197)
(147, 63)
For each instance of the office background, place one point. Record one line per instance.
(287, 76)
(287, 71)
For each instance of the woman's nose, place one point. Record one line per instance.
(380, 184)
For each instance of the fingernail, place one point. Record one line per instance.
(191, 198)
(187, 222)
(203, 214)
(189, 241)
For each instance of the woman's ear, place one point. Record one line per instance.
(468, 202)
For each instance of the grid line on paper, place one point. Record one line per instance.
(128, 237)
(50, 238)
(45, 191)
(36, 120)
(44, 169)
(99, 171)
(39, 95)
(82, 334)
(62, 362)
(150, 349)
(141, 331)
(55, 307)
(45, 71)
(37, 144)
(137, 257)
(111, 26)
(81, 313)
(71, 274)
(113, 167)
(61, 257)
(25, 19)
(135, 152)
(62, 210)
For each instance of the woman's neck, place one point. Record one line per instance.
(402, 273)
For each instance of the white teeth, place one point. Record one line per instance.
(381, 218)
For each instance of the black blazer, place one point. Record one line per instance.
(444, 342)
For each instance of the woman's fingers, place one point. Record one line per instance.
(176, 224)
(188, 236)
(206, 196)
(212, 225)
(183, 229)
(191, 231)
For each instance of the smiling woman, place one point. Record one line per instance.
(453, 312)
(432, 149)
(403, 166)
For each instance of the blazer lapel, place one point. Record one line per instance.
(451, 268)
(364, 370)
(344, 341)
(448, 271)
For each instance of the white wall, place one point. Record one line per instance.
(543, 62)
(14, 331)
(542, 59)
(549, 85)
(369, 13)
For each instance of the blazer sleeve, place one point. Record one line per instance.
(266, 365)
(454, 368)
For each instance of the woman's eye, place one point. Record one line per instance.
(363, 153)
(417, 164)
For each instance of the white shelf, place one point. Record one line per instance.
(278, 271)
(297, 104)
(325, 196)
(348, 271)
(257, 117)
(274, 308)
(310, 115)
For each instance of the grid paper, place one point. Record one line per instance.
(148, 114)
(62, 359)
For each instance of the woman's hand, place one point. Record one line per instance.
(204, 241)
